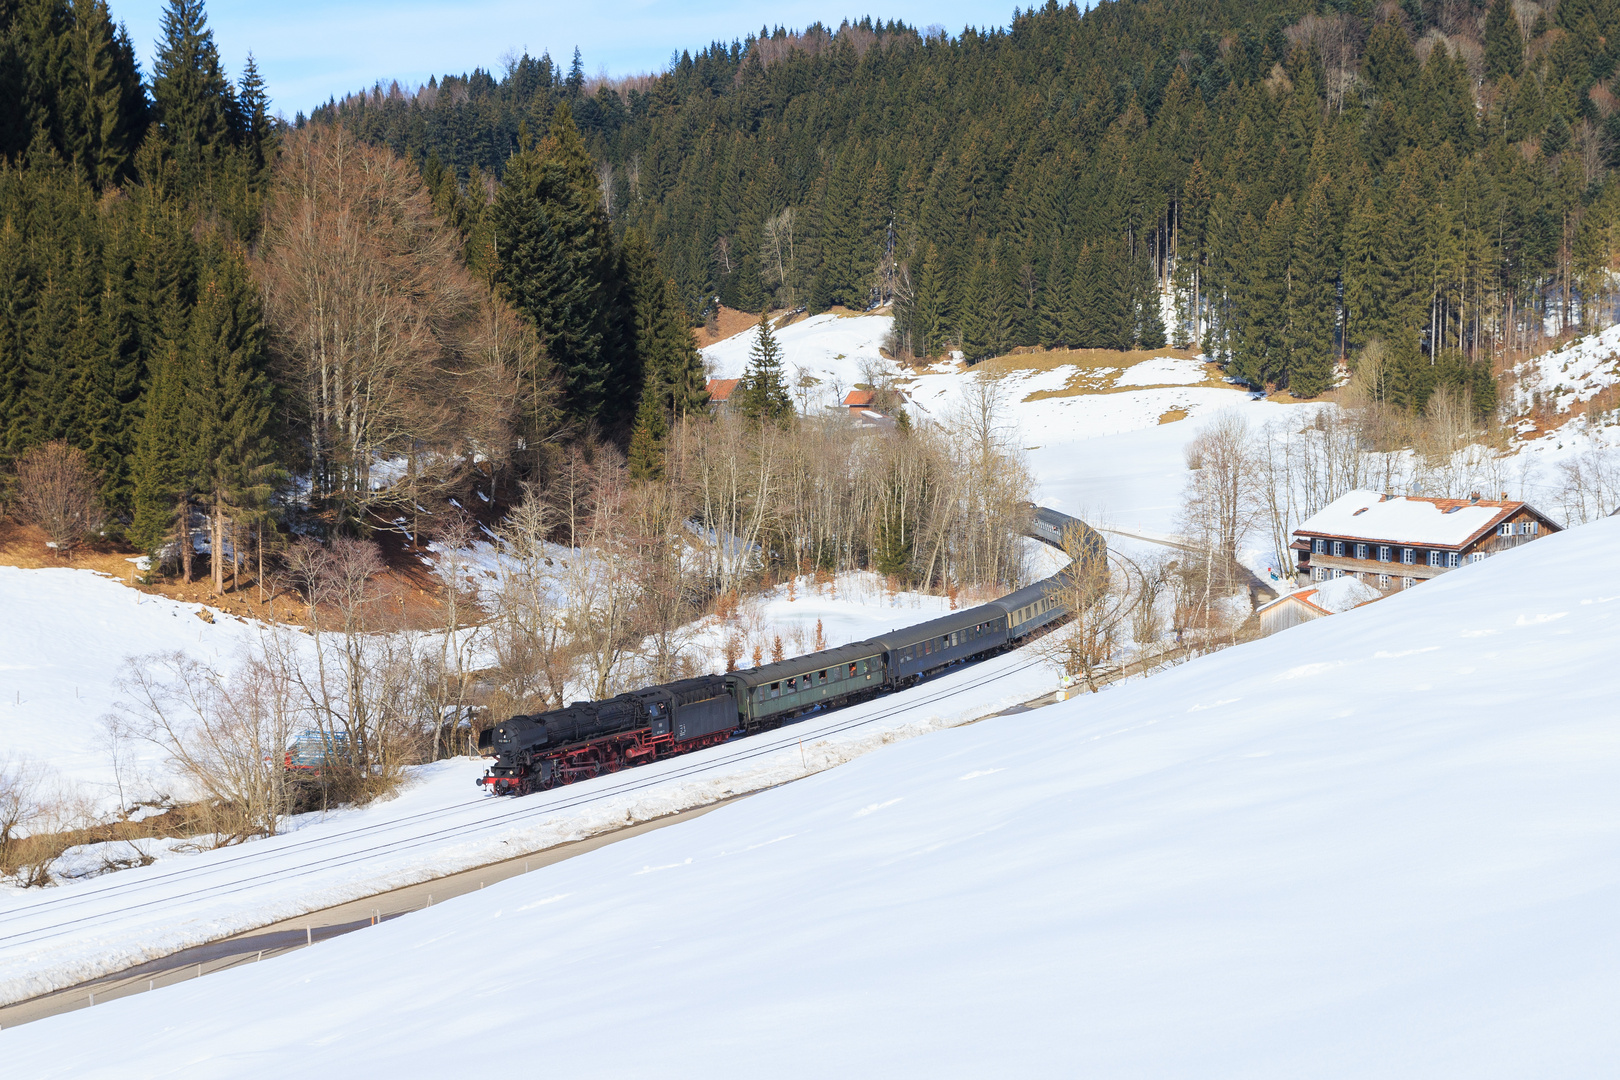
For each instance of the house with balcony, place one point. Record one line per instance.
(1396, 541)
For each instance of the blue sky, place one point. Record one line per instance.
(308, 49)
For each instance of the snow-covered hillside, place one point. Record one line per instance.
(63, 640)
(1381, 844)
(837, 350)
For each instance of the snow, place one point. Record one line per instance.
(1162, 371)
(62, 646)
(1341, 594)
(1361, 515)
(1383, 844)
(840, 350)
(1571, 374)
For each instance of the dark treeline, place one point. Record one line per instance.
(215, 309)
(129, 325)
(1308, 178)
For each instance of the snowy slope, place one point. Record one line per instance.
(835, 349)
(63, 640)
(1382, 844)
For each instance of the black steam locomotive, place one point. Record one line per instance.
(588, 738)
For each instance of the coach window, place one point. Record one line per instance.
(823, 677)
(776, 689)
(852, 671)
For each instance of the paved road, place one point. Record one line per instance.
(308, 930)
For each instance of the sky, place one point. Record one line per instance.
(309, 50)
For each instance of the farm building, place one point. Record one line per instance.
(1395, 541)
(1330, 598)
(720, 391)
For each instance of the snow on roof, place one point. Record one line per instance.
(1369, 515)
(1342, 594)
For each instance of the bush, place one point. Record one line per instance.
(57, 491)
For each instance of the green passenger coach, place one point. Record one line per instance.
(768, 695)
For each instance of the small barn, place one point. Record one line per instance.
(1303, 606)
(720, 391)
(859, 399)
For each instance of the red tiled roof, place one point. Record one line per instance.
(859, 399)
(720, 389)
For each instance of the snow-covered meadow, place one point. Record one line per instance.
(63, 641)
(1382, 844)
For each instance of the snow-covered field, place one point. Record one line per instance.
(63, 640)
(1385, 843)
(1574, 373)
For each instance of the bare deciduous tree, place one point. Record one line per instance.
(57, 491)
(391, 348)
(225, 734)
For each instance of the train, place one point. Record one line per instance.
(588, 738)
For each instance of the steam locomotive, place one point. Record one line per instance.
(588, 738)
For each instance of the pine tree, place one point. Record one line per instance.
(1312, 296)
(556, 264)
(228, 404)
(257, 136)
(193, 103)
(1504, 44)
(763, 394)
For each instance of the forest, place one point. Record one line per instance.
(1307, 177)
(192, 290)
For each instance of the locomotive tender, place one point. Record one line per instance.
(534, 753)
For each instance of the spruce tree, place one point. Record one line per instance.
(1312, 296)
(227, 407)
(556, 259)
(192, 100)
(1504, 44)
(763, 394)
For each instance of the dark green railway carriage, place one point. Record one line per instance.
(767, 695)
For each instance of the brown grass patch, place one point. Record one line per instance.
(1170, 416)
(413, 589)
(729, 323)
(1098, 369)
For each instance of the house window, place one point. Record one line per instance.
(1506, 529)
(1529, 528)
(1383, 579)
(1383, 553)
(1453, 558)
(1478, 556)
(1361, 551)
(1408, 556)
(1436, 558)
(1319, 547)
(1408, 582)
(1338, 547)
(1320, 573)
(1338, 574)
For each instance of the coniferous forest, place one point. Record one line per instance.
(1308, 177)
(1425, 187)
